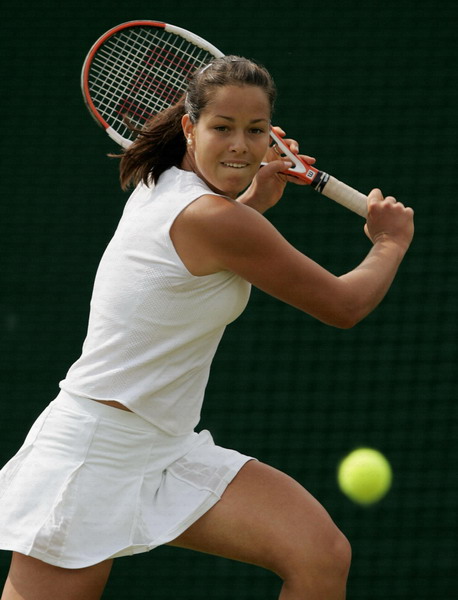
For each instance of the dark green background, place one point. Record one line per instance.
(370, 89)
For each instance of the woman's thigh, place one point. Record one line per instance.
(32, 579)
(264, 518)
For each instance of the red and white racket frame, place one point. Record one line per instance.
(188, 35)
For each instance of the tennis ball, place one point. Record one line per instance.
(364, 476)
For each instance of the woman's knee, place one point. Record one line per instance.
(340, 554)
(328, 558)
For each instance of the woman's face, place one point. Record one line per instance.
(230, 138)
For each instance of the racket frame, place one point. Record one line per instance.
(173, 29)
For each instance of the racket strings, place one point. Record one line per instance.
(139, 72)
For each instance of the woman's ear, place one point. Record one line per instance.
(188, 127)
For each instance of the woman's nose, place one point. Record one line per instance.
(238, 143)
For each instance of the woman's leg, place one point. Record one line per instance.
(268, 519)
(32, 579)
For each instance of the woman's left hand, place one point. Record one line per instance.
(269, 184)
(274, 153)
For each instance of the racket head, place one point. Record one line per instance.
(138, 69)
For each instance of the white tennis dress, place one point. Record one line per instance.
(93, 482)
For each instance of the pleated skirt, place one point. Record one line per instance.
(93, 482)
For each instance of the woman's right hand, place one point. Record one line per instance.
(388, 219)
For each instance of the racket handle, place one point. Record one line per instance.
(340, 192)
(322, 182)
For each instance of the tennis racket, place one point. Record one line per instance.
(140, 68)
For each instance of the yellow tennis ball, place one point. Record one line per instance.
(365, 476)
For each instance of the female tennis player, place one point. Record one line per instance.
(114, 466)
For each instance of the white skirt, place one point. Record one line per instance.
(93, 482)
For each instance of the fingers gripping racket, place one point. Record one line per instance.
(140, 68)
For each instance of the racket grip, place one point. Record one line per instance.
(340, 192)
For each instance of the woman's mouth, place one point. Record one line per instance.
(232, 165)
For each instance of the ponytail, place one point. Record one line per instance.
(159, 146)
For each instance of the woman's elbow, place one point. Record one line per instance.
(348, 308)
(348, 322)
(345, 317)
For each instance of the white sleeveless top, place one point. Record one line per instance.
(153, 326)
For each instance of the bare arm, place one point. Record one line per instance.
(390, 228)
(215, 234)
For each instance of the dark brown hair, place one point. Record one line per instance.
(161, 143)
